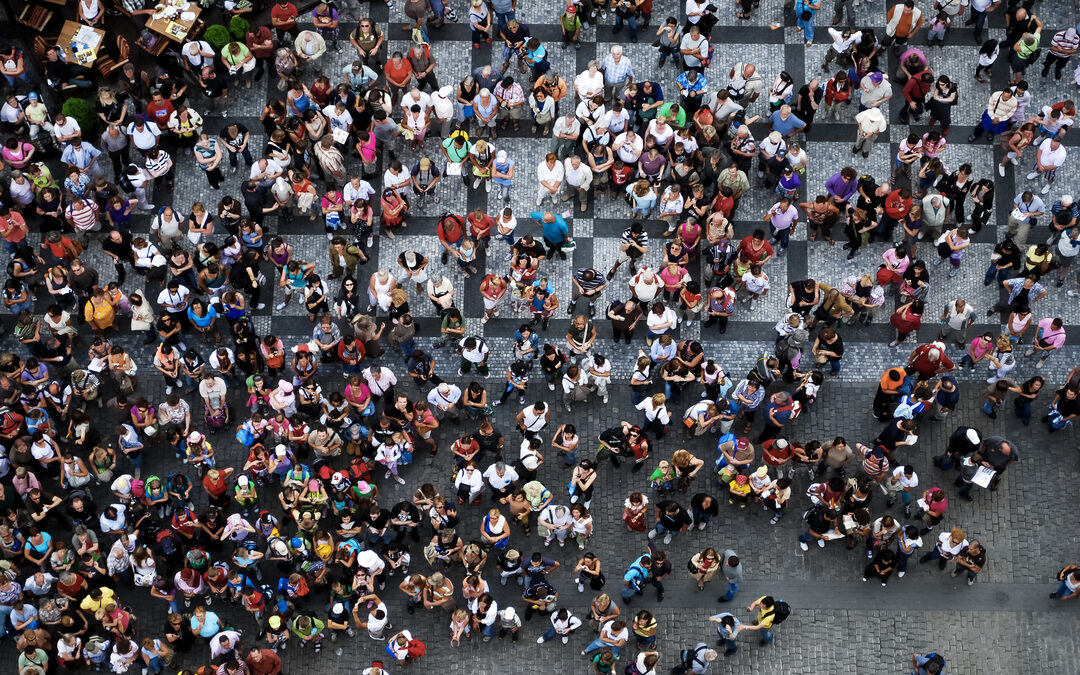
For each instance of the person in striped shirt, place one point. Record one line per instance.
(1062, 48)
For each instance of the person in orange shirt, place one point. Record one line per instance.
(399, 74)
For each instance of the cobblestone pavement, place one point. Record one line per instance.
(1004, 624)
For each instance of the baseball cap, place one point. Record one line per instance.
(876, 76)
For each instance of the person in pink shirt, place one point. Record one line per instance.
(674, 278)
(978, 350)
(1049, 336)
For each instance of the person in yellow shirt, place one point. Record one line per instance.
(770, 613)
(739, 489)
(98, 598)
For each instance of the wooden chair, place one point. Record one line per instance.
(42, 45)
(107, 66)
(35, 17)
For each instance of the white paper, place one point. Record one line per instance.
(340, 135)
(453, 169)
(188, 16)
(982, 476)
(87, 36)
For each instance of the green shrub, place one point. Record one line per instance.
(218, 36)
(80, 110)
(238, 26)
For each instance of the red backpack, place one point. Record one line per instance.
(415, 649)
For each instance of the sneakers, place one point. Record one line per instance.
(864, 578)
(580, 587)
(869, 554)
(566, 639)
(540, 640)
(279, 306)
(971, 582)
(1001, 170)
(900, 575)
(551, 386)
(547, 542)
(652, 534)
(667, 538)
(821, 543)
(1046, 189)
(774, 520)
(701, 526)
(954, 573)
(1033, 175)
(803, 546)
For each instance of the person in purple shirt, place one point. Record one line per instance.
(841, 186)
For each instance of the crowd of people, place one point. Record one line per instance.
(295, 532)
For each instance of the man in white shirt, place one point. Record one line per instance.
(197, 53)
(599, 374)
(533, 418)
(565, 135)
(66, 128)
(645, 285)
(395, 177)
(578, 180)
(443, 400)
(554, 523)
(694, 47)
(500, 477)
(416, 97)
(474, 353)
(956, 318)
(173, 299)
(629, 146)
(143, 136)
(213, 389)
(841, 44)
(339, 116)
(356, 188)
(265, 172)
(550, 174)
(1048, 159)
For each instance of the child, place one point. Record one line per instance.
(663, 477)
(1002, 360)
(788, 184)
(987, 55)
(809, 384)
(739, 491)
(459, 625)
(995, 396)
(938, 26)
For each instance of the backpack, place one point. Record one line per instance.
(416, 649)
(167, 541)
(780, 612)
(936, 660)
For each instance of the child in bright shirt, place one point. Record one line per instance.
(739, 490)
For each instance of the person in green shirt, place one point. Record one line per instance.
(1025, 51)
(675, 114)
(571, 27)
(456, 149)
(237, 58)
(308, 629)
(604, 661)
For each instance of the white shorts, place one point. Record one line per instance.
(490, 304)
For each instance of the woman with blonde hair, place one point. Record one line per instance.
(656, 413)
(642, 198)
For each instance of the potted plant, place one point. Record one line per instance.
(80, 110)
(218, 36)
(238, 26)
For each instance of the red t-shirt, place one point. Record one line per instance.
(755, 254)
(400, 73)
(160, 112)
(895, 207)
(480, 227)
(288, 13)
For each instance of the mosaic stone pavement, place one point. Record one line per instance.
(839, 622)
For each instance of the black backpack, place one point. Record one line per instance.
(780, 612)
(935, 663)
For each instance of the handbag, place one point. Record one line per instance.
(691, 567)
(245, 435)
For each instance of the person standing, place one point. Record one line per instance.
(1048, 159)
(733, 574)
(770, 613)
(728, 629)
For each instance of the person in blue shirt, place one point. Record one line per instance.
(555, 231)
(692, 86)
(785, 121)
(727, 627)
(930, 664)
(636, 576)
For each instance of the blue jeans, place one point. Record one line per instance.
(730, 646)
(993, 271)
(1062, 591)
(970, 575)
(732, 589)
(902, 559)
(834, 366)
(503, 19)
(5, 628)
(631, 23)
(1023, 410)
(805, 538)
(490, 630)
(783, 237)
(661, 530)
(550, 635)
(670, 52)
(766, 636)
(600, 644)
(700, 516)
(25, 77)
(18, 307)
(806, 26)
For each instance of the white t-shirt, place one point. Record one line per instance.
(1050, 157)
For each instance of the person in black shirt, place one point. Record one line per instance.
(614, 441)
(871, 196)
(257, 199)
(118, 247)
(671, 519)
(529, 246)
(1004, 263)
(703, 507)
(215, 88)
(490, 441)
(236, 137)
(405, 520)
(377, 526)
(819, 522)
(624, 317)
